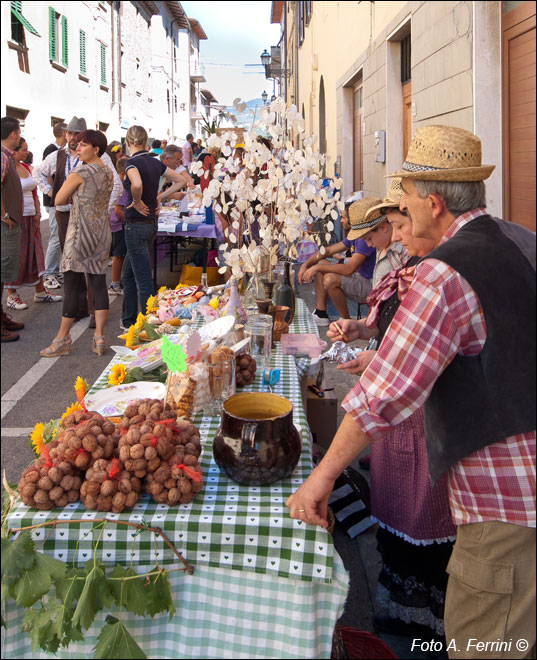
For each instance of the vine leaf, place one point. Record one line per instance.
(94, 597)
(17, 556)
(50, 626)
(134, 595)
(158, 593)
(28, 574)
(115, 641)
(69, 587)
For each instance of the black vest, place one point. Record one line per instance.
(478, 401)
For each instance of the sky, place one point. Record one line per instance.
(237, 33)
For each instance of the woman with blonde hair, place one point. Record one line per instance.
(142, 177)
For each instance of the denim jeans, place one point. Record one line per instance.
(54, 252)
(136, 275)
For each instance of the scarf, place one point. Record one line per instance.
(398, 280)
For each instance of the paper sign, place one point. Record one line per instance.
(174, 357)
(193, 344)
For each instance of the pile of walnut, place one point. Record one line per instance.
(106, 466)
(245, 368)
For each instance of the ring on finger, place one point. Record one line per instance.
(302, 511)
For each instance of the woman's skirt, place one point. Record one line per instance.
(32, 259)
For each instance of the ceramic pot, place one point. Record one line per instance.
(257, 443)
(283, 317)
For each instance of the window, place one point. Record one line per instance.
(82, 52)
(168, 99)
(18, 23)
(103, 127)
(308, 12)
(103, 65)
(57, 42)
(175, 103)
(301, 22)
(405, 60)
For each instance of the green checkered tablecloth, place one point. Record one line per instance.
(226, 525)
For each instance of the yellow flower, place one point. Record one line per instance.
(117, 374)
(37, 437)
(214, 302)
(139, 321)
(162, 289)
(150, 304)
(129, 341)
(80, 388)
(72, 408)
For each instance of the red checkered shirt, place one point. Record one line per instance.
(6, 155)
(439, 318)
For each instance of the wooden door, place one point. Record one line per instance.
(407, 117)
(358, 114)
(518, 60)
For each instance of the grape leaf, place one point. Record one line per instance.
(134, 595)
(17, 556)
(36, 581)
(94, 597)
(115, 641)
(158, 595)
(69, 588)
(50, 626)
(150, 330)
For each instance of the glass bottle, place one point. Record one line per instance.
(234, 305)
(284, 293)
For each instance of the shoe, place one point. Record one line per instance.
(7, 335)
(45, 296)
(57, 348)
(59, 277)
(115, 290)
(9, 324)
(384, 623)
(98, 347)
(320, 320)
(91, 321)
(123, 327)
(52, 282)
(14, 302)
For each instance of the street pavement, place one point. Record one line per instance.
(36, 389)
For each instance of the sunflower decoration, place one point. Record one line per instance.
(117, 375)
(139, 321)
(161, 290)
(131, 337)
(72, 408)
(81, 388)
(151, 305)
(36, 438)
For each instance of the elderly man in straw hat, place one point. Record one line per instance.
(462, 343)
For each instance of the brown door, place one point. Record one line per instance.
(358, 114)
(518, 55)
(407, 117)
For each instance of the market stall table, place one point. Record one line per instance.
(264, 585)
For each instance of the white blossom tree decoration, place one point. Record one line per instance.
(271, 197)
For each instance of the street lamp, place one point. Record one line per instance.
(265, 58)
(264, 96)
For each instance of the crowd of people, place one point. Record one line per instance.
(446, 401)
(101, 204)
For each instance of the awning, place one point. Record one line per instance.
(16, 10)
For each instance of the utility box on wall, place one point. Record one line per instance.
(380, 146)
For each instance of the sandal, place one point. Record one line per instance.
(98, 345)
(57, 348)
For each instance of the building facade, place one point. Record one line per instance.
(114, 63)
(366, 75)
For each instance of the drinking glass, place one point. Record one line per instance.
(259, 328)
(221, 383)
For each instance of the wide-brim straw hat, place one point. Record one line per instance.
(77, 125)
(444, 153)
(357, 216)
(391, 201)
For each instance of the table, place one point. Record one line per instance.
(203, 231)
(264, 585)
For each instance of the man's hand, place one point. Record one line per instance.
(9, 222)
(350, 327)
(310, 274)
(359, 364)
(300, 274)
(140, 206)
(310, 502)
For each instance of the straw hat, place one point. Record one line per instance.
(444, 153)
(357, 216)
(391, 201)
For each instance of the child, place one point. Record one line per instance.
(119, 249)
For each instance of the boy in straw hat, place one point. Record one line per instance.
(454, 348)
(351, 279)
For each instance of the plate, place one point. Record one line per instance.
(148, 357)
(113, 401)
(217, 329)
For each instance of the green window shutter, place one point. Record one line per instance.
(16, 10)
(82, 52)
(52, 45)
(103, 64)
(65, 43)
